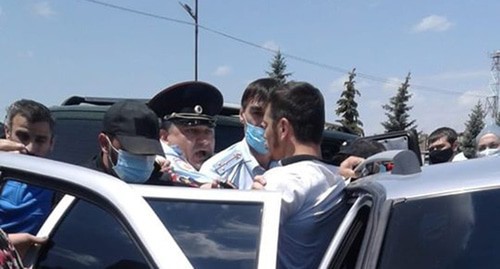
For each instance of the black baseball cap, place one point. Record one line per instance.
(135, 126)
(188, 103)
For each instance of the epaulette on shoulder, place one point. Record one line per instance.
(228, 162)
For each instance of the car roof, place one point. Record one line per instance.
(435, 180)
(103, 103)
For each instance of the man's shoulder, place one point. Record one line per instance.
(312, 168)
(224, 160)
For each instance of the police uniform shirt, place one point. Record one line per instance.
(235, 164)
(310, 208)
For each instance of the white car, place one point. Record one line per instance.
(437, 216)
(102, 222)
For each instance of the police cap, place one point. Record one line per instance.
(188, 103)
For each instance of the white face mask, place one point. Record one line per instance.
(488, 152)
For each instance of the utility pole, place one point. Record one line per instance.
(492, 101)
(194, 15)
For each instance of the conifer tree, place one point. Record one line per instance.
(473, 127)
(278, 68)
(397, 110)
(348, 108)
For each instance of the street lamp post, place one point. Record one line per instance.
(194, 15)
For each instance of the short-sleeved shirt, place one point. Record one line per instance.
(312, 192)
(24, 208)
(236, 164)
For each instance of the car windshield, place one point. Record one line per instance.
(453, 231)
(213, 234)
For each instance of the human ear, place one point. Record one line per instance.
(103, 141)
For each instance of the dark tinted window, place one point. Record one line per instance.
(227, 132)
(76, 140)
(214, 234)
(350, 246)
(2, 130)
(89, 237)
(455, 231)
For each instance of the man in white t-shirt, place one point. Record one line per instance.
(312, 191)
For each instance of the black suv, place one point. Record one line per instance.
(79, 121)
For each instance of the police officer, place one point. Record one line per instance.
(188, 110)
(241, 162)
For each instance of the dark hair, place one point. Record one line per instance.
(259, 91)
(33, 112)
(165, 125)
(450, 134)
(303, 106)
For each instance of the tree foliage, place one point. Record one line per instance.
(278, 68)
(347, 107)
(473, 127)
(397, 109)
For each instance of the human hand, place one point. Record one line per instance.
(164, 164)
(11, 146)
(259, 182)
(23, 241)
(213, 185)
(348, 165)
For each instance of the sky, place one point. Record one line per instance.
(51, 50)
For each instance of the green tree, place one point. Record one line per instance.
(347, 107)
(397, 109)
(473, 127)
(278, 68)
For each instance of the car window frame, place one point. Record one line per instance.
(59, 214)
(271, 206)
(109, 193)
(343, 230)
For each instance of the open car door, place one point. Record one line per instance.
(103, 222)
(399, 140)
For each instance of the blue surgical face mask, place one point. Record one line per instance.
(133, 168)
(255, 138)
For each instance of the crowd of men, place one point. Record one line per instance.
(170, 141)
(443, 144)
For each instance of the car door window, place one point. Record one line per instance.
(451, 231)
(214, 234)
(350, 246)
(90, 237)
